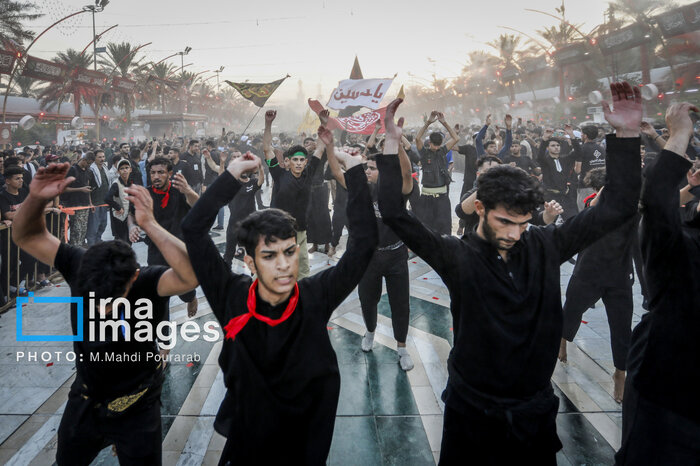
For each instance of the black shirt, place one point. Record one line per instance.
(592, 155)
(434, 167)
(243, 204)
(136, 176)
(196, 175)
(82, 178)
(281, 381)
(209, 174)
(507, 316)
(109, 379)
(556, 173)
(10, 202)
(99, 192)
(470, 159)
(185, 169)
(293, 194)
(524, 162)
(170, 215)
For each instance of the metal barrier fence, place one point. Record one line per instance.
(13, 271)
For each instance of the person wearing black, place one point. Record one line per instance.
(179, 165)
(505, 294)
(171, 202)
(516, 160)
(78, 195)
(592, 156)
(660, 412)
(318, 217)
(291, 191)
(280, 370)
(116, 199)
(135, 160)
(604, 270)
(434, 201)
(110, 402)
(97, 220)
(194, 160)
(470, 169)
(213, 166)
(557, 171)
(239, 208)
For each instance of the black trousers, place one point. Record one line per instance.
(393, 266)
(653, 435)
(473, 438)
(318, 218)
(435, 213)
(120, 229)
(156, 258)
(84, 431)
(582, 294)
(340, 217)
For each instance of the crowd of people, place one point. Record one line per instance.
(533, 197)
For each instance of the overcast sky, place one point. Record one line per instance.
(314, 41)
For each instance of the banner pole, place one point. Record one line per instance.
(251, 121)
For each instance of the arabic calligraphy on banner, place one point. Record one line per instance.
(44, 70)
(7, 61)
(123, 84)
(358, 124)
(89, 78)
(258, 93)
(359, 92)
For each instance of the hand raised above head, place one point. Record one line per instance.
(393, 130)
(325, 135)
(270, 116)
(626, 114)
(324, 115)
(50, 181)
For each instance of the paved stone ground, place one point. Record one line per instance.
(385, 416)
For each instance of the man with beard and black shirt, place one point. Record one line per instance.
(78, 195)
(505, 294)
(280, 370)
(171, 202)
(514, 159)
(592, 156)
(179, 165)
(557, 171)
(292, 188)
(660, 412)
(194, 159)
(242, 205)
(111, 401)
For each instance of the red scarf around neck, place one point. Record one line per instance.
(166, 198)
(236, 324)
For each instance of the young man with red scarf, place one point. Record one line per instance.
(171, 202)
(280, 370)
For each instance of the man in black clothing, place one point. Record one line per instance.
(435, 210)
(592, 156)
(169, 208)
(194, 159)
(179, 165)
(292, 188)
(110, 402)
(604, 270)
(242, 205)
(505, 295)
(279, 367)
(557, 171)
(661, 413)
(135, 160)
(514, 159)
(78, 195)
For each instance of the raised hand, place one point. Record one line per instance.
(432, 118)
(553, 208)
(50, 181)
(180, 183)
(323, 115)
(488, 120)
(270, 116)
(508, 121)
(568, 129)
(325, 135)
(143, 204)
(243, 165)
(441, 117)
(346, 160)
(694, 176)
(392, 130)
(647, 129)
(678, 119)
(626, 115)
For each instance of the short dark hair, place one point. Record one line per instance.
(175, 149)
(135, 153)
(13, 170)
(98, 151)
(160, 161)
(211, 143)
(590, 131)
(487, 144)
(487, 158)
(309, 139)
(192, 142)
(106, 269)
(436, 138)
(10, 161)
(270, 224)
(510, 187)
(293, 150)
(123, 144)
(595, 178)
(90, 157)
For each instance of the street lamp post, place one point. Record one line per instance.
(98, 7)
(182, 54)
(217, 78)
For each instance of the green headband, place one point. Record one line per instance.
(302, 154)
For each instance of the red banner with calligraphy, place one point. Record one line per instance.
(7, 61)
(358, 124)
(124, 85)
(44, 70)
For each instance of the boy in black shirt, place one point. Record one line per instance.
(505, 295)
(109, 402)
(280, 370)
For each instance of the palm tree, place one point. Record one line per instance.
(24, 86)
(121, 60)
(13, 16)
(55, 93)
(506, 45)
